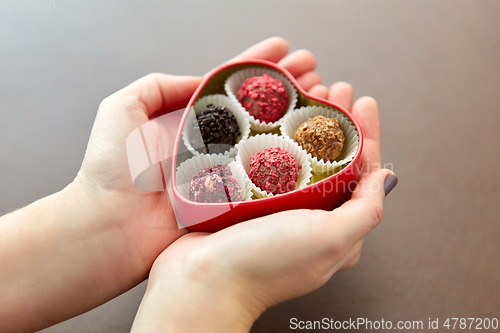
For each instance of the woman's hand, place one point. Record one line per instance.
(146, 220)
(227, 279)
(74, 250)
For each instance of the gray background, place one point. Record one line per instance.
(433, 66)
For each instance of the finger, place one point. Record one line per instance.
(352, 221)
(309, 80)
(299, 62)
(342, 94)
(272, 49)
(365, 110)
(158, 92)
(319, 90)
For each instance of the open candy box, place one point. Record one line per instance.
(312, 182)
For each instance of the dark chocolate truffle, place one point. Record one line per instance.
(215, 184)
(321, 137)
(264, 97)
(218, 127)
(274, 170)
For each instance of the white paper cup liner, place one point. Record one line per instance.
(292, 121)
(200, 105)
(186, 171)
(235, 80)
(260, 142)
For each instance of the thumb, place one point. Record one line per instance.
(161, 92)
(358, 216)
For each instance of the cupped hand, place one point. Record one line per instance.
(253, 265)
(144, 222)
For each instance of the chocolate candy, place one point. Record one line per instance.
(274, 170)
(264, 97)
(215, 184)
(321, 137)
(219, 130)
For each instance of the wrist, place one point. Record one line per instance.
(190, 298)
(191, 308)
(99, 217)
(89, 223)
(61, 237)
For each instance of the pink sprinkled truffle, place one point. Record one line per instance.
(274, 170)
(264, 97)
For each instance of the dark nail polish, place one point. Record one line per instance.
(389, 183)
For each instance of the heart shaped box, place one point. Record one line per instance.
(326, 193)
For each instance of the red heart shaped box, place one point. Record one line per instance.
(325, 194)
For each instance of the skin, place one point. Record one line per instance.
(77, 249)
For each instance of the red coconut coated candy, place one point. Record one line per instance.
(264, 97)
(215, 184)
(274, 170)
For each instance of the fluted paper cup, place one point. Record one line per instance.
(260, 142)
(293, 120)
(218, 100)
(235, 80)
(186, 171)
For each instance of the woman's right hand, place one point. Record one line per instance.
(224, 281)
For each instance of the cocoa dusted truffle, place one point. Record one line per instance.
(215, 184)
(218, 127)
(321, 137)
(264, 97)
(274, 170)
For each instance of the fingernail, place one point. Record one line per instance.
(390, 182)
